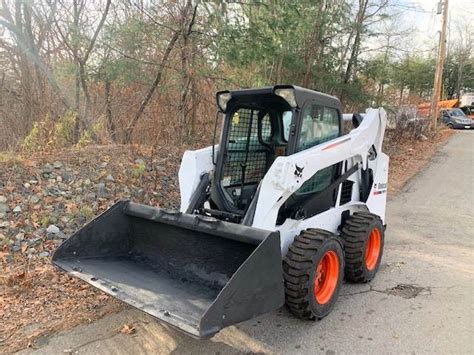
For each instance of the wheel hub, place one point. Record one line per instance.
(372, 250)
(326, 277)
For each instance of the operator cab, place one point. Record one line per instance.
(259, 126)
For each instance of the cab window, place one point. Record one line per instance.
(319, 124)
(286, 119)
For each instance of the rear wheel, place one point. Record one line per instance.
(313, 272)
(363, 238)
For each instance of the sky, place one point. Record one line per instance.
(421, 14)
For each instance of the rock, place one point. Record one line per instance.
(57, 165)
(16, 248)
(43, 254)
(139, 194)
(87, 182)
(31, 251)
(17, 209)
(101, 190)
(26, 185)
(5, 224)
(48, 168)
(2, 215)
(110, 178)
(53, 229)
(3, 199)
(423, 137)
(67, 176)
(4, 208)
(140, 162)
(90, 196)
(54, 236)
(59, 179)
(33, 182)
(35, 199)
(34, 242)
(60, 235)
(103, 165)
(20, 236)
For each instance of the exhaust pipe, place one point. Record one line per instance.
(196, 273)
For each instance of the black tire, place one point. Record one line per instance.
(355, 235)
(300, 269)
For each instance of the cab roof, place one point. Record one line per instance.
(301, 95)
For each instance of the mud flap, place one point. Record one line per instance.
(195, 273)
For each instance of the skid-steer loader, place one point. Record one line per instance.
(281, 210)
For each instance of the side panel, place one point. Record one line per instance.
(193, 165)
(377, 200)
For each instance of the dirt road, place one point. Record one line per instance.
(420, 302)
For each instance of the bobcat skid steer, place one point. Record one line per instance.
(279, 212)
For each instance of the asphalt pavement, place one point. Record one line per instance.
(421, 301)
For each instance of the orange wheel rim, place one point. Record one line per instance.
(327, 275)
(372, 251)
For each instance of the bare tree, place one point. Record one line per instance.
(74, 30)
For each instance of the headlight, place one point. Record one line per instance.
(222, 98)
(288, 94)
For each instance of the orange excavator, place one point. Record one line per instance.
(468, 109)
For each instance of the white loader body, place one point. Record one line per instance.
(280, 182)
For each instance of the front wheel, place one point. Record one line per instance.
(313, 272)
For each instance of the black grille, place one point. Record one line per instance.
(245, 150)
(346, 192)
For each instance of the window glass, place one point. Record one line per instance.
(319, 124)
(266, 128)
(287, 116)
(318, 182)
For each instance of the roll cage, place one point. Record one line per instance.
(246, 153)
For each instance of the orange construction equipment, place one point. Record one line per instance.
(424, 108)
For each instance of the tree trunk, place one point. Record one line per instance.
(131, 126)
(359, 25)
(108, 111)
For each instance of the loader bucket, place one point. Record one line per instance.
(195, 273)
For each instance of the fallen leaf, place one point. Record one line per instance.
(128, 329)
(3, 256)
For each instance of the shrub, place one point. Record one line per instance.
(49, 133)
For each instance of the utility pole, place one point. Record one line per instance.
(438, 80)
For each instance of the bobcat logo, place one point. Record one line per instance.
(299, 171)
